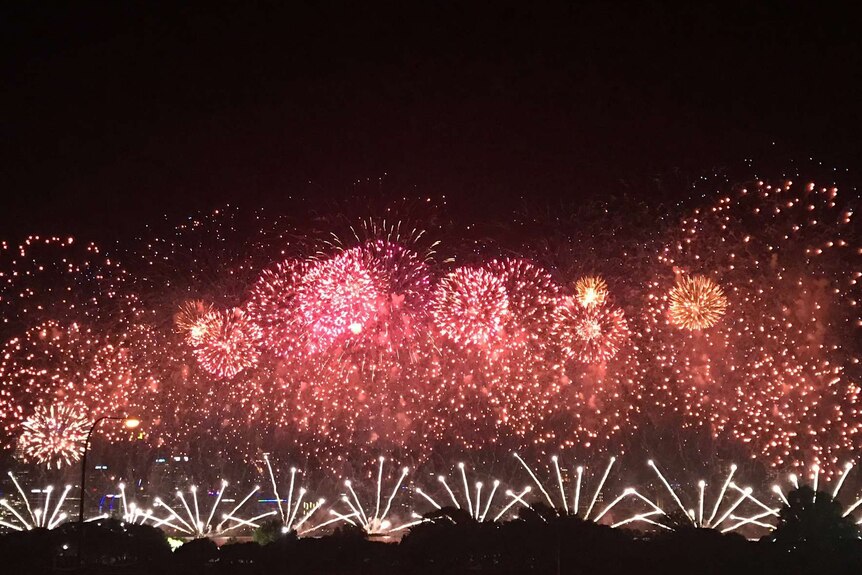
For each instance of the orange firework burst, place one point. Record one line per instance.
(696, 303)
(192, 320)
(54, 436)
(591, 291)
(589, 334)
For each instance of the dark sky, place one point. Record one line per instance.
(113, 114)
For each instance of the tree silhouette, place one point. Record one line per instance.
(813, 519)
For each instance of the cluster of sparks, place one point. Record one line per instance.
(746, 325)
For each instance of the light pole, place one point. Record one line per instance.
(130, 423)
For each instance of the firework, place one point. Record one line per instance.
(474, 505)
(194, 522)
(131, 512)
(288, 510)
(54, 436)
(272, 306)
(816, 472)
(592, 334)
(722, 515)
(48, 278)
(228, 344)
(561, 505)
(69, 365)
(591, 291)
(193, 320)
(471, 307)
(531, 294)
(696, 303)
(376, 523)
(363, 345)
(779, 373)
(337, 298)
(30, 517)
(403, 282)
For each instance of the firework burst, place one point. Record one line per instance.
(228, 344)
(193, 319)
(54, 436)
(471, 307)
(696, 303)
(592, 334)
(272, 306)
(591, 291)
(337, 298)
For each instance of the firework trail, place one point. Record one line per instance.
(30, 517)
(477, 508)
(194, 521)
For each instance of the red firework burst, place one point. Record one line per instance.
(591, 334)
(471, 306)
(272, 306)
(229, 344)
(531, 296)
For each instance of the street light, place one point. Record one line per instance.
(129, 423)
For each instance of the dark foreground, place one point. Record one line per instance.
(807, 540)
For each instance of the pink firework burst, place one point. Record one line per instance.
(403, 281)
(229, 344)
(337, 297)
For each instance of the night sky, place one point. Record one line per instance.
(115, 114)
